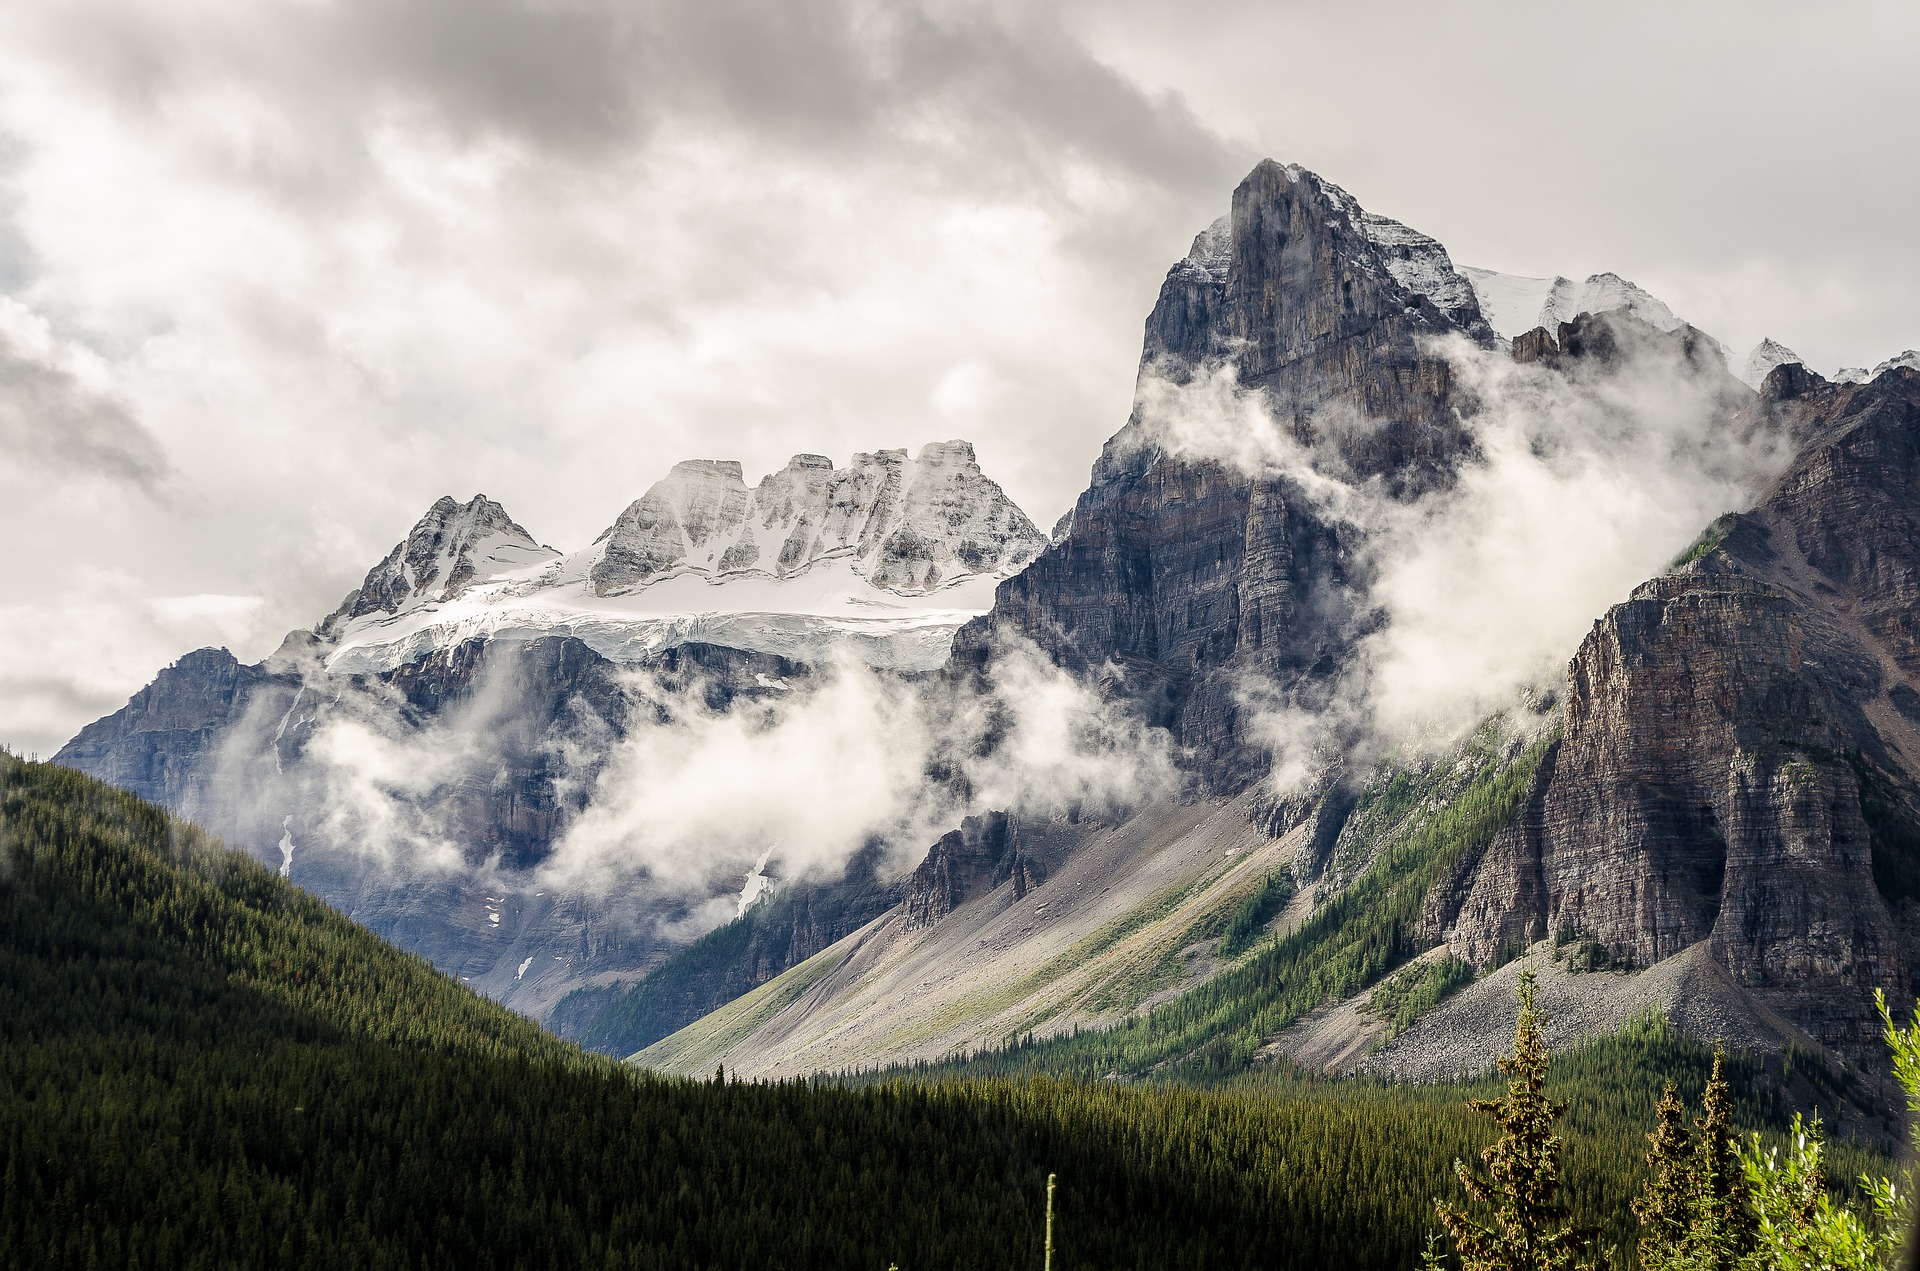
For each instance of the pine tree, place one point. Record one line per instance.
(1529, 1230)
(1666, 1207)
(1724, 1222)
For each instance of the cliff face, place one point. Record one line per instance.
(157, 745)
(983, 853)
(1737, 765)
(1180, 575)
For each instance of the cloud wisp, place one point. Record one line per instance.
(1581, 483)
(665, 794)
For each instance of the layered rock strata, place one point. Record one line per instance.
(1179, 575)
(1737, 766)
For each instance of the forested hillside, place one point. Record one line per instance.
(200, 1066)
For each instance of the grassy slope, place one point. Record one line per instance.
(1408, 832)
(1104, 973)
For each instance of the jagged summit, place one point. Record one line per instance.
(1766, 355)
(1909, 359)
(905, 525)
(452, 546)
(886, 557)
(1228, 298)
(1515, 304)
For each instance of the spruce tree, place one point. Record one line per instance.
(1724, 1222)
(1666, 1207)
(1529, 1230)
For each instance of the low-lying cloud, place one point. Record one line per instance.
(1580, 485)
(667, 799)
(859, 757)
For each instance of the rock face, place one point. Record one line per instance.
(907, 525)
(983, 853)
(1182, 574)
(157, 745)
(1737, 767)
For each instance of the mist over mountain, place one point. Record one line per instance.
(1418, 619)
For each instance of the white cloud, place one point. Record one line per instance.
(73, 654)
(687, 808)
(1581, 486)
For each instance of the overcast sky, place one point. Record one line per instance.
(275, 274)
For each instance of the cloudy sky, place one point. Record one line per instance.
(274, 274)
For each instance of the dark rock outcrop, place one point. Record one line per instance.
(1180, 575)
(983, 853)
(1735, 767)
(159, 744)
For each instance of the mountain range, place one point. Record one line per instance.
(1710, 810)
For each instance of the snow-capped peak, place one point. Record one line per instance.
(452, 547)
(908, 525)
(1910, 359)
(1766, 355)
(1603, 293)
(883, 559)
(1861, 375)
(1515, 305)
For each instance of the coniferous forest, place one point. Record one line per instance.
(202, 1066)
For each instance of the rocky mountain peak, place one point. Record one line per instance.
(1910, 359)
(1516, 305)
(452, 546)
(1345, 269)
(906, 525)
(1604, 293)
(1766, 355)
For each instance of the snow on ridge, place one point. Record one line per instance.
(1604, 293)
(1421, 265)
(1910, 359)
(886, 558)
(1766, 355)
(1861, 375)
(910, 524)
(1514, 304)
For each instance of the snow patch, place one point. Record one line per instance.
(1910, 359)
(758, 886)
(1766, 355)
(1510, 303)
(1514, 304)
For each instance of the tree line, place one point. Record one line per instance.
(202, 1066)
